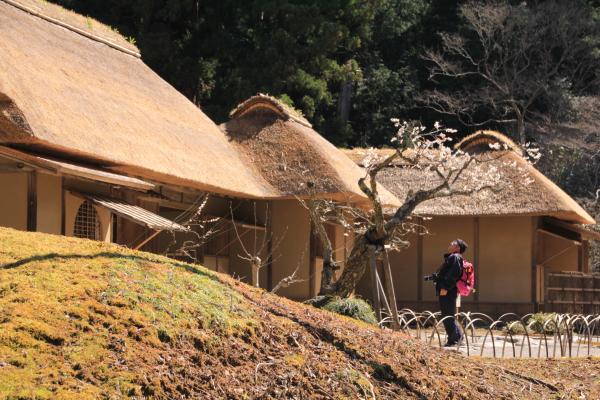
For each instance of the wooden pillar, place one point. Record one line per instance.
(269, 238)
(534, 267)
(585, 248)
(546, 291)
(63, 220)
(31, 201)
(420, 263)
(313, 243)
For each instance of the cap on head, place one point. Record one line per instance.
(462, 245)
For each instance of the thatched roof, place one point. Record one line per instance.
(541, 197)
(64, 93)
(83, 25)
(284, 149)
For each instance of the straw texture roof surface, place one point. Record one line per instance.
(62, 92)
(541, 197)
(283, 148)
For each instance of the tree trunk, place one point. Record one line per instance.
(357, 262)
(329, 269)
(329, 265)
(355, 267)
(520, 126)
(344, 102)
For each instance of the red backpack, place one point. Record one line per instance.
(466, 283)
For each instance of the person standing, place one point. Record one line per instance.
(445, 285)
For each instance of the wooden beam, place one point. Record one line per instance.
(12, 169)
(149, 238)
(546, 232)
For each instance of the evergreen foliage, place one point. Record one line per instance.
(347, 65)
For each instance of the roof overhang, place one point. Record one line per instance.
(56, 167)
(586, 234)
(136, 214)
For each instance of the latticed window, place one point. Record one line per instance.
(87, 223)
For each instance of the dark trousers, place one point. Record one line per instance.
(448, 308)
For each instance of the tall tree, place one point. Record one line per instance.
(337, 61)
(512, 63)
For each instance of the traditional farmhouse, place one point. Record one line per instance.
(517, 235)
(94, 144)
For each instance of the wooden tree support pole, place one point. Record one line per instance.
(383, 296)
(387, 268)
(374, 288)
(149, 238)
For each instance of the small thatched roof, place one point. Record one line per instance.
(284, 149)
(66, 92)
(541, 197)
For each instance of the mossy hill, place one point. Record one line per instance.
(84, 320)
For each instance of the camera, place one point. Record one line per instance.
(433, 277)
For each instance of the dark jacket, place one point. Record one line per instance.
(450, 272)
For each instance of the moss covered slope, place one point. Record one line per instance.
(82, 319)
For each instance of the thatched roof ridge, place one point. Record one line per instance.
(542, 197)
(264, 101)
(480, 141)
(62, 93)
(292, 156)
(77, 23)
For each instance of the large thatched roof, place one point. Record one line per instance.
(284, 149)
(66, 90)
(540, 197)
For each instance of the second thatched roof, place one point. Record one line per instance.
(540, 197)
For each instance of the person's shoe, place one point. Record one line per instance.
(459, 339)
(454, 341)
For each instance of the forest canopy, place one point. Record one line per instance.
(351, 65)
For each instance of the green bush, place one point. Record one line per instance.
(515, 328)
(352, 307)
(539, 319)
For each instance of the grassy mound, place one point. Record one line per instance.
(82, 319)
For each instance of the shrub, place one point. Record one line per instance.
(515, 327)
(539, 319)
(352, 307)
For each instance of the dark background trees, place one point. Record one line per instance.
(351, 65)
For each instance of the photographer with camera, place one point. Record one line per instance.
(445, 286)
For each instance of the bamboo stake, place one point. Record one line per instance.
(387, 268)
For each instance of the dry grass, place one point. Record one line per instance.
(81, 319)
